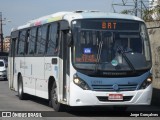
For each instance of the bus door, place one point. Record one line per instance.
(11, 62)
(64, 68)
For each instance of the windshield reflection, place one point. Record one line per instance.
(110, 50)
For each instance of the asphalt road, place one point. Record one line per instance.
(10, 102)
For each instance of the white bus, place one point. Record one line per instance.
(82, 58)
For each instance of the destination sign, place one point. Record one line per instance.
(108, 24)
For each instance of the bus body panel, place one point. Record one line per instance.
(130, 81)
(37, 72)
(80, 97)
(10, 73)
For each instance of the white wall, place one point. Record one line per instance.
(155, 47)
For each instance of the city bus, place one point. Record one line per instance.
(82, 58)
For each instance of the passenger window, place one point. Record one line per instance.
(52, 46)
(32, 41)
(27, 41)
(1, 64)
(21, 44)
(41, 41)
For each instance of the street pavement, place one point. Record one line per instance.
(10, 102)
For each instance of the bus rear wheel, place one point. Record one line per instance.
(21, 94)
(54, 99)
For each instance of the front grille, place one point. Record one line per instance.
(105, 99)
(130, 87)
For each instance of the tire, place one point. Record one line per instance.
(54, 99)
(21, 94)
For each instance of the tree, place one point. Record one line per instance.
(126, 12)
(147, 15)
(156, 12)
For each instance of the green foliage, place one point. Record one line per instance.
(147, 15)
(126, 12)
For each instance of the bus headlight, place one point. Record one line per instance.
(146, 83)
(81, 83)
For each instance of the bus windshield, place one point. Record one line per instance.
(110, 45)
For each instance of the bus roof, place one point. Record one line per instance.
(69, 16)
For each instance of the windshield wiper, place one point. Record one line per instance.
(98, 55)
(120, 50)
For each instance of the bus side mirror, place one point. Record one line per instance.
(69, 40)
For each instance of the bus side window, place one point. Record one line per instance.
(32, 41)
(27, 41)
(41, 41)
(13, 45)
(21, 42)
(52, 46)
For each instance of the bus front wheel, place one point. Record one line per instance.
(54, 99)
(21, 94)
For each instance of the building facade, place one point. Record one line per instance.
(6, 44)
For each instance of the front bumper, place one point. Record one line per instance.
(80, 97)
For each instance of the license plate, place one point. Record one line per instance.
(115, 97)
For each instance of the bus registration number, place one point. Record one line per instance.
(115, 97)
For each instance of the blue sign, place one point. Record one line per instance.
(87, 51)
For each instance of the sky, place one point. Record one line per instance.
(18, 12)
